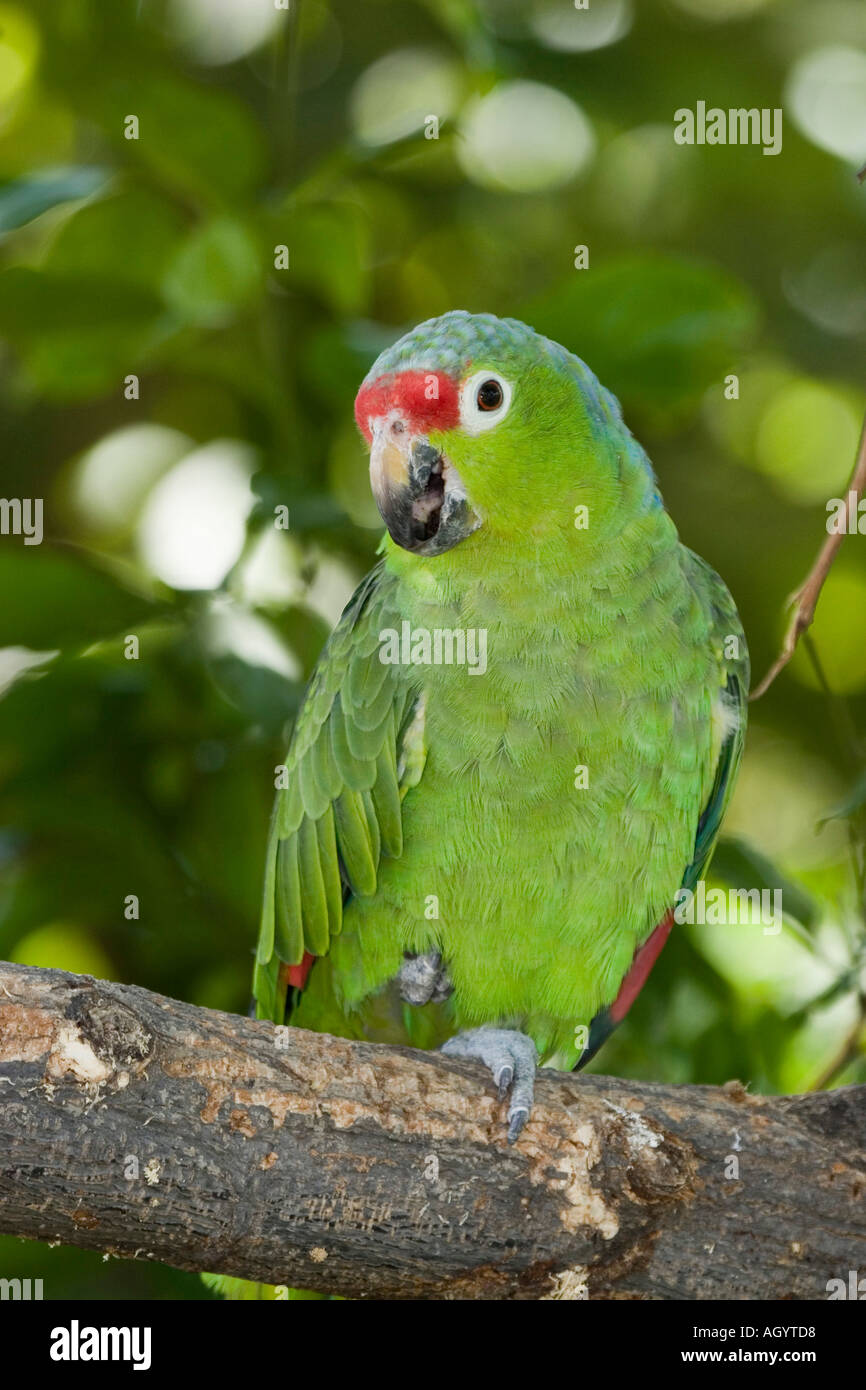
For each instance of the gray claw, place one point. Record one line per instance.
(511, 1058)
(517, 1117)
(423, 979)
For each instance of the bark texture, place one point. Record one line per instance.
(147, 1128)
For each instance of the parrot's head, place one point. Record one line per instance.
(479, 422)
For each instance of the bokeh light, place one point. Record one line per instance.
(270, 573)
(799, 432)
(113, 478)
(642, 182)
(718, 11)
(807, 439)
(19, 53)
(839, 639)
(221, 31)
(331, 588)
(397, 93)
(826, 95)
(524, 137)
(63, 946)
(16, 661)
(570, 30)
(192, 528)
(831, 289)
(231, 630)
(763, 811)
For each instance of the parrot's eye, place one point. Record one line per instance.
(484, 401)
(489, 395)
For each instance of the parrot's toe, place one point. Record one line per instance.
(423, 979)
(512, 1060)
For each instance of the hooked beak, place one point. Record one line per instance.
(419, 493)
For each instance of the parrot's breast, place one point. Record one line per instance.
(560, 796)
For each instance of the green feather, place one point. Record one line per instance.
(372, 826)
(354, 840)
(386, 797)
(330, 864)
(288, 934)
(314, 794)
(355, 773)
(313, 900)
(290, 807)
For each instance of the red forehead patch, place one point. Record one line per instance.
(426, 401)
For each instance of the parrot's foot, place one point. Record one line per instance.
(512, 1060)
(424, 979)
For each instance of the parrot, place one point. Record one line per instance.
(520, 740)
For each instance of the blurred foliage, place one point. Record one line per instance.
(169, 376)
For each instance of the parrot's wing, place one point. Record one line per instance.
(357, 745)
(728, 710)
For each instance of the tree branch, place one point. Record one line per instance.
(805, 599)
(143, 1127)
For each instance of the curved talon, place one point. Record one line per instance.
(517, 1117)
(503, 1081)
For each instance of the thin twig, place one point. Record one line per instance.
(806, 597)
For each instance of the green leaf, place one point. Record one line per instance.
(82, 362)
(339, 276)
(656, 329)
(55, 599)
(200, 140)
(741, 866)
(852, 803)
(36, 301)
(308, 510)
(263, 695)
(846, 983)
(127, 238)
(23, 199)
(218, 270)
(304, 631)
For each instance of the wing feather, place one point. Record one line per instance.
(340, 813)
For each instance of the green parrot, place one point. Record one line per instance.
(521, 737)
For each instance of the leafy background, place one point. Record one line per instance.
(154, 257)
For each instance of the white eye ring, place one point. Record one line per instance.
(473, 419)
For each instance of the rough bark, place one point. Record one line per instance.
(136, 1125)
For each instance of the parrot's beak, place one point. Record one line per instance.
(420, 495)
